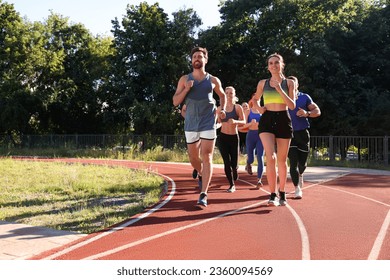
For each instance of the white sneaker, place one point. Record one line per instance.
(232, 189)
(298, 192)
(273, 200)
(282, 199)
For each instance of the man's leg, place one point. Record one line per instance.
(207, 151)
(194, 156)
(293, 157)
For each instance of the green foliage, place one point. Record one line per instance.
(55, 77)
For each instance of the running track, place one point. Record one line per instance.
(343, 218)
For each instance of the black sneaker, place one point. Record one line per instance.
(273, 200)
(194, 174)
(282, 199)
(202, 201)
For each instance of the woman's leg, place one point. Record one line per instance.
(224, 149)
(268, 140)
(260, 158)
(282, 151)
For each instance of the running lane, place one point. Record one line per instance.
(342, 218)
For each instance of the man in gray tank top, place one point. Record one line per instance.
(196, 91)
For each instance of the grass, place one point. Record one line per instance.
(74, 197)
(88, 198)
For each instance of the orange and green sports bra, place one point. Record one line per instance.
(271, 95)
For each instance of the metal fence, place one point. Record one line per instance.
(372, 149)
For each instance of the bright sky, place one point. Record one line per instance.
(96, 15)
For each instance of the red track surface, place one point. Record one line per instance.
(346, 218)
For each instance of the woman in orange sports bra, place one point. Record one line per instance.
(275, 129)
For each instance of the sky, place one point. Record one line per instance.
(96, 15)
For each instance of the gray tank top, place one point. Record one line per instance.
(200, 106)
(231, 115)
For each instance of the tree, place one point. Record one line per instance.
(144, 69)
(18, 104)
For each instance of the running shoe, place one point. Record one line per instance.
(235, 174)
(248, 169)
(232, 189)
(259, 184)
(282, 199)
(273, 200)
(298, 192)
(202, 201)
(194, 173)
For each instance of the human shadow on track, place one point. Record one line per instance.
(201, 215)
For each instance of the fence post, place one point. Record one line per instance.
(386, 150)
(331, 151)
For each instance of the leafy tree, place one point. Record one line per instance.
(18, 104)
(151, 54)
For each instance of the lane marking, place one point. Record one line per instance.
(375, 250)
(121, 226)
(358, 195)
(374, 254)
(301, 226)
(304, 235)
(166, 233)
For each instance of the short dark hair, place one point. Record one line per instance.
(199, 49)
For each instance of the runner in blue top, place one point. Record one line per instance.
(254, 146)
(300, 143)
(196, 91)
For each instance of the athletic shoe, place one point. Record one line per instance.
(259, 184)
(273, 200)
(232, 189)
(298, 192)
(248, 169)
(194, 173)
(235, 174)
(202, 201)
(282, 199)
(200, 183)
(300, 182)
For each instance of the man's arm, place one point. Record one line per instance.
(183, 87)
(314, 111)
(222, 96)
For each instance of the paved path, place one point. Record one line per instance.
(230, 221)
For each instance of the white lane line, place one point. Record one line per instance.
(304, 236)
(380, 238)
(120, 227)
(382, 232)
(358, 195)
(301, 226)
(150, 238)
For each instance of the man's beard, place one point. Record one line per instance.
(197, 64)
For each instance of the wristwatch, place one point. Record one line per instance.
(308, 113)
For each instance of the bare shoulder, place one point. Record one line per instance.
(215, 79)
(290, 82)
